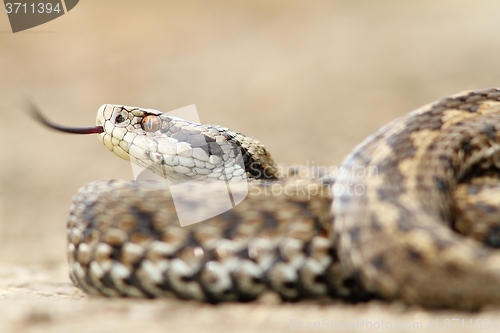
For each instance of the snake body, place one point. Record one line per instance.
(390, 225)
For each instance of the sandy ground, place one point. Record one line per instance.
(309, 78)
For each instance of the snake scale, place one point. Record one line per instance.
(411, 215)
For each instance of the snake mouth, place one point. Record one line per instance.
(38, 116)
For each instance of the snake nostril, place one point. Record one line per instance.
(151, 123)
(119, 119)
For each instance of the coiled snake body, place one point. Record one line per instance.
(390, 225)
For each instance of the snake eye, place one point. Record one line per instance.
(151, 123)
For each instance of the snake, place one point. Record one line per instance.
(411, 214)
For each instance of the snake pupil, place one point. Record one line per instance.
(150, 123)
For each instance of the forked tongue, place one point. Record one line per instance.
(35, 113)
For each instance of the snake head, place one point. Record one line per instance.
(169, 146)
(172, 147)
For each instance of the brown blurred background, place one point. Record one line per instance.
(309, 78)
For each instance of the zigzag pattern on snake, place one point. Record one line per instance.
(394, 231)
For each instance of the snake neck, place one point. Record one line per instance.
(257, 160)
(181, 150)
